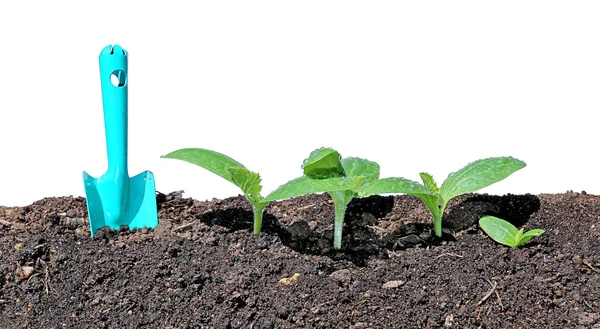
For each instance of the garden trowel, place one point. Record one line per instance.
(115, 199)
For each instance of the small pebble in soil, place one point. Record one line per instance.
(342, 277)
(393, 284)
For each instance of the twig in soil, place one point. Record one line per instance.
(5, 223)
(497, 293)
(499, 300)
(359, 302)
(32, 276)
(183, 227)
(306, 207)
(46, 278)
(590, 306)
(379, 231)
(449, 254)
(590, 266)
(489, 293)
(320, 305)
(550, 279)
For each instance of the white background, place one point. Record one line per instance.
(416, 86)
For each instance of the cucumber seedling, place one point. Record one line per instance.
(250, 182)
(506, 233)
(471, 178)
(327, 163)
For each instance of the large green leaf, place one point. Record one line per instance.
(499, 230)
(323, 163)
(248, 181)
(210, 160)
(403, 186)
(361, 167)
(479, 174)
(394, 185)
(305, 185)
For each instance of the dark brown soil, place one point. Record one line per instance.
(202, 267)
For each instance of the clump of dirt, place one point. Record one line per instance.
(202, 267)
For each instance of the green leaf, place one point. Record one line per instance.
(518, 236)
(533, 233)
(499, 230)
(323, 163)
(433, 204)
(361, 167)
(403, 186)
(341, 198)
(528, 235)
(394, 185)
(429, 182)
(248, 181)
(210, 160)
(305, 185)
(479, 174)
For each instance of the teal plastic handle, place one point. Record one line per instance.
(113, 77)
(114, 199)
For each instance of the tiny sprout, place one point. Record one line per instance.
(506, 233)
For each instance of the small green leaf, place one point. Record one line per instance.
(323, 163)
(518, 236)
(210, 160)
(359, 182)
(528, 235)
(248, 181)
(305, 185)
(429, 182)
(533, 233)
(341, 198)
(479, 174)
(361, 167)
(433, 204)
(499, 230)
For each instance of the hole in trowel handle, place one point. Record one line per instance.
(118, 78)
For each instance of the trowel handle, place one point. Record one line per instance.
(113, 76)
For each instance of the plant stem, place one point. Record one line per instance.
(437, 211)
(437, 219)
(258, 209)
(340, 211)
(437, 224)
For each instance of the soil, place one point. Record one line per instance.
(202, 267)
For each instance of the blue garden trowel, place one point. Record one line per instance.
(115, 199)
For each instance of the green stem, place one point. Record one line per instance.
(340, 211)
(437, 210)
(437, 224)
(437, 219)
(258, 209)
